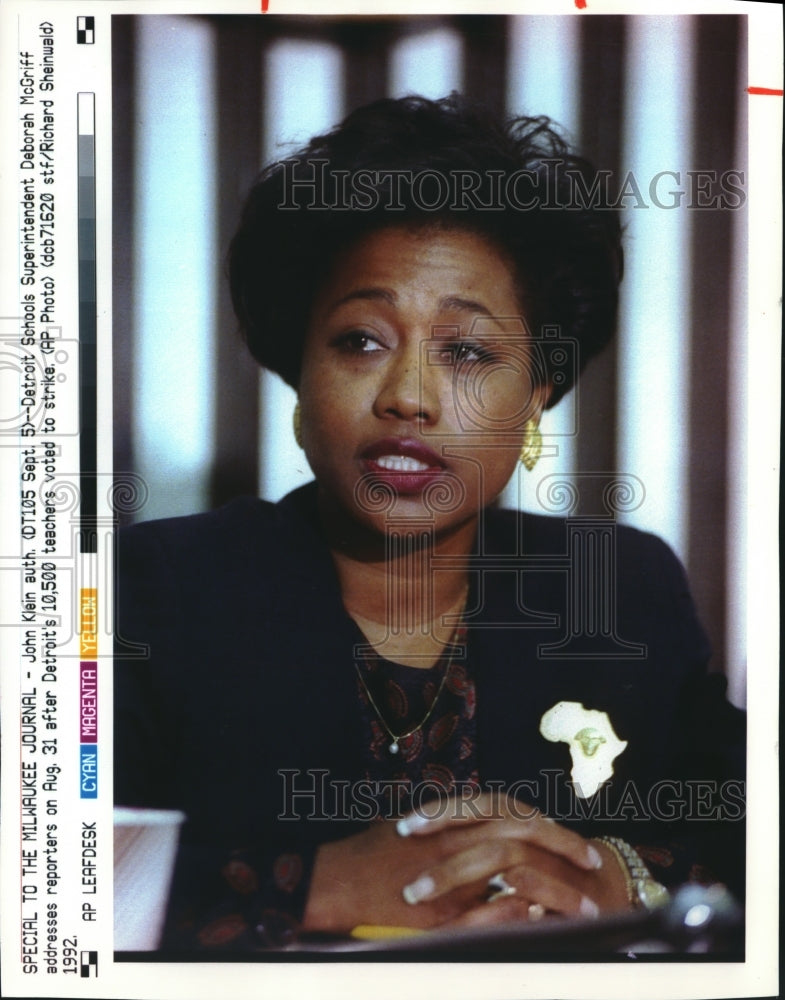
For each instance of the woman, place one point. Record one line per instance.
(367, 698)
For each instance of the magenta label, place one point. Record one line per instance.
(88, 702)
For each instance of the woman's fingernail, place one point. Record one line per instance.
(410, 824)
(419, 890)
(589, 908)
(595, 859)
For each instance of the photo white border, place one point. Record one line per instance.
(755, 977)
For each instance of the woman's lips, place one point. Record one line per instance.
(403, 463)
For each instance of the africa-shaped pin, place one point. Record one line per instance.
(593, 744)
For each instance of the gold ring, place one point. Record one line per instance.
(499, 887)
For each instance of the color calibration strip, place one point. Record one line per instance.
(88, 693)
(88, 448)
(88, 539)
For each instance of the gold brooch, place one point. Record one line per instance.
(593, 744)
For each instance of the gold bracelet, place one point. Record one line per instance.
(643, 891)
(631, 894)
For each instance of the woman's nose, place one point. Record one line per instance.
(408, 390)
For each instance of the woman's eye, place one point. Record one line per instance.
(359, 342)
(467, 351)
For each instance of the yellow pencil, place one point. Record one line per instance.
(375, 932)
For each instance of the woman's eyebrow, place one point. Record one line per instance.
(474, 308)
(380, 294)
(448, 303)
(456, 302)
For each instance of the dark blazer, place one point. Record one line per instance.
(234, 663)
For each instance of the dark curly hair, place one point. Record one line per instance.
(422, 162)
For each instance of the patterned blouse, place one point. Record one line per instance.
(436, 708)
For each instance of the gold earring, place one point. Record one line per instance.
(297, 425)
(532, 444)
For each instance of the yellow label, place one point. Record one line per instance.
(88, 623)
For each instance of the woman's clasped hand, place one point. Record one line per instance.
(483, 861)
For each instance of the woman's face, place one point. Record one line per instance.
(416, 378)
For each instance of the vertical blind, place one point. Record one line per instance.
(209, 100)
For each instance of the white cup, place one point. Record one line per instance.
(145, 847)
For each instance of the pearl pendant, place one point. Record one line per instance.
(394, 746)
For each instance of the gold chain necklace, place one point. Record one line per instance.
(396, 739)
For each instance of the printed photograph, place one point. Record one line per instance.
(430, 354)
